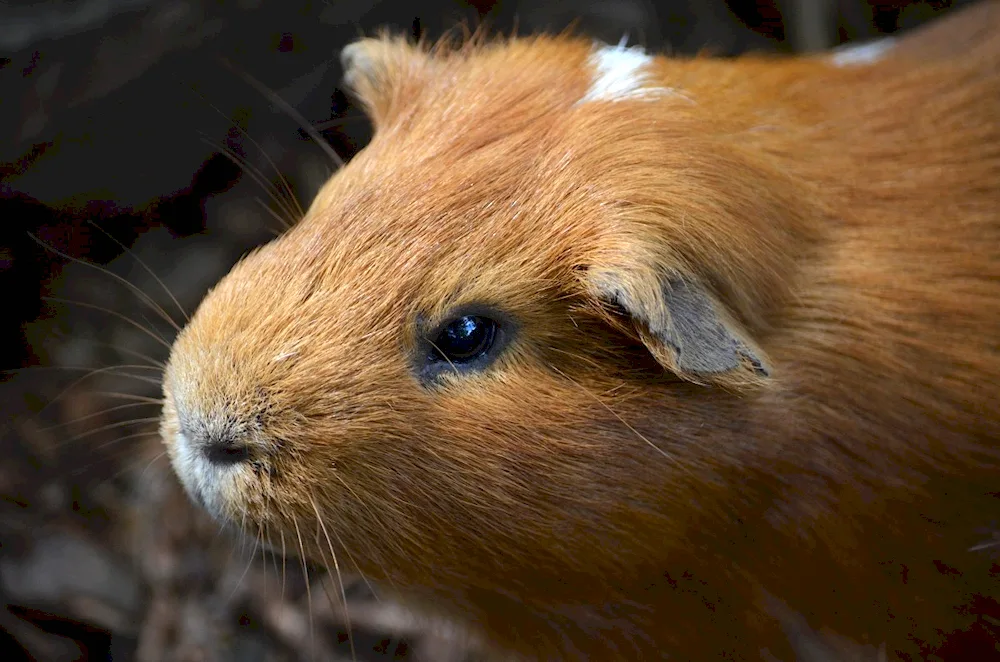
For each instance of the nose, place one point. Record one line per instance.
(225, 451)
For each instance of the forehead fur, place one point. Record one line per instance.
(482, 155)
(552, 143)
(395, 80)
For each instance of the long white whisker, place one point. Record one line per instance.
(128, 466)
(145, 298)
(340, 579)
(96, 414)
(305, 570)
(123, 318)
(294, 114)
(91, 372)
(153, 362)
(253, 552)
(151, 462)
(283, 563)
(350, 557)
(377, 521)
(137, 435)
(81, 470)
(129, 396)
(256, 175)
(282, 222)
(110, 426)
(148, 270)
(263, 152)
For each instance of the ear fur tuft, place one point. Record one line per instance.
(380, 71)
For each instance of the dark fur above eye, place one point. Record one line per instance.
(467, 341)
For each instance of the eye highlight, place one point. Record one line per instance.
(468, 341)
(464, 340)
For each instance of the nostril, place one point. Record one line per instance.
(226, 453)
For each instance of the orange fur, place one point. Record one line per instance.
(584, 497)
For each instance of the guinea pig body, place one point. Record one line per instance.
(608, 356)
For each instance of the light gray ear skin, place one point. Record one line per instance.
(686, 332)
(703, 343)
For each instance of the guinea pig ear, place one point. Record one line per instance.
(381, 72)
(684, 326)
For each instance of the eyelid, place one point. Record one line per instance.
(493, 328)
(432, 326)
(426, 333)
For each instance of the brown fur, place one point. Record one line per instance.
(576, 500)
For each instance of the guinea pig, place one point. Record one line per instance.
(602, 355)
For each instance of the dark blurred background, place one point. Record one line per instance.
(131, 138)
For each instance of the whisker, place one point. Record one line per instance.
(305, 570)
(350, 557)
(105, 428)
(444, 355)
(263, 152)
(91, 372)
(79, 471)
(137, 366)
(578, 357)
(283, 568)
(123, 318)
(623, 421)
(218, 534)
(265, 554)
(148, 270)
(984, 545)
(335, 122)
(37, 368)
(142, 474)
(266, 531)
(110, 426)
(282, 222)
(141, 378)
(294, 114)
(151, 462)
(243, 529)
(154, 362)
(236, 541)
(333, 602)
(253, 552)
(340, 579)
(129, 396)
(138, 534)
(103, 412)
(377, 520)
(148, 300)
(255, 174)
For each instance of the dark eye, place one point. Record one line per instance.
(464, 340)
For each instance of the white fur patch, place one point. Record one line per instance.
(620, 74)
(851, 55)
(205, 483)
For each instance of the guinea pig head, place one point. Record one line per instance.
(506, 337)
